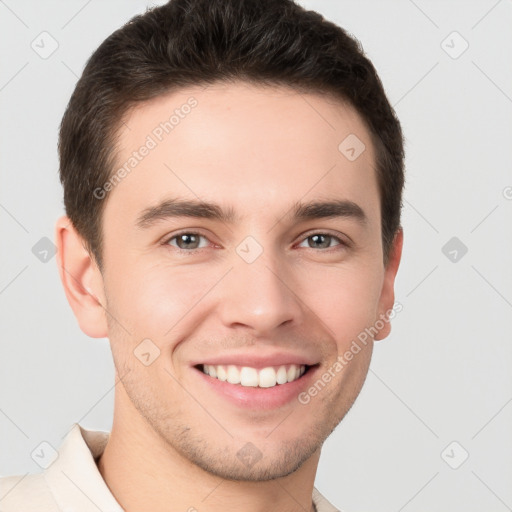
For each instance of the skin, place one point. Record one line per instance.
(257, 149)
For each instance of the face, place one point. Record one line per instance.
(242, 259)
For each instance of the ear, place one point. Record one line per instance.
(81, 278)
(387, 296)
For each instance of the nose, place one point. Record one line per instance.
(259, 296)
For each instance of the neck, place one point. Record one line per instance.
(143, 472)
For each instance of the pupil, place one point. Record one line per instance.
(318, 240)
(188, 240)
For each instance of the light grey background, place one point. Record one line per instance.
(443, 375)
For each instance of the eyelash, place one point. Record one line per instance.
(341, 245)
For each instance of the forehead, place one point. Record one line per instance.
(244, 146)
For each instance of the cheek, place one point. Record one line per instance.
(157, 301)
(166, 302)
(347, 301)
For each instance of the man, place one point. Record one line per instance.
(232, 176)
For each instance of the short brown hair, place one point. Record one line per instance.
(190, 42)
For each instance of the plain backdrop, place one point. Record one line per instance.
(431, 428)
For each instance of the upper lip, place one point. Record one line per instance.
(257, 360)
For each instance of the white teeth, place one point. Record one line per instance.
(281, 375)
(251, 377)
(267, 378)
(221, 373)
(233, 375)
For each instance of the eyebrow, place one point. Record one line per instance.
(171, 208)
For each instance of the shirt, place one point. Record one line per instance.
(73, 483)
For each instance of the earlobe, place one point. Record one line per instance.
(387, 298)
(81, 278)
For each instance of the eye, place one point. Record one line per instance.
(187, 241)
(322, 241)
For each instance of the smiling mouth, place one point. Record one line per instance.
(247, 376)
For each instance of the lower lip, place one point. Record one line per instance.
(260, 398)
